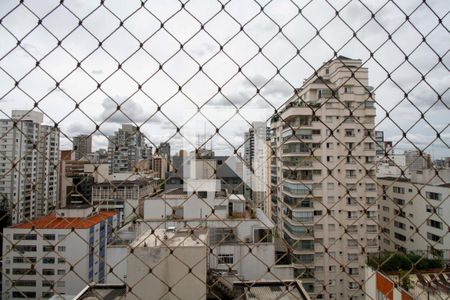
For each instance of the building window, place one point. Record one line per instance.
(434, 238)
(371, 228)
(352, 257)
(349, 132)
(398, 190)
(370, 200)
(48, 272)
(48, 260)
(399, 236)
(222, 236)
(24, 236)
(351, 243)
(370, 187)
(49, 237)
(353, 285)
(23, 295)
(25, 248)
(262, 235)
(225, 259)
(61, 248)
(48, 248)
(61, 272)
(46, 283)
(24, 283)
(433, 196)
(23, 271)
(24, 260)
(435, 224)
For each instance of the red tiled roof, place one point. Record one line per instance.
(51, 221)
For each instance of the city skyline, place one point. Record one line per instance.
(257, 90)
(225, 149)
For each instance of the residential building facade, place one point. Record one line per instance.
(257, 159)
(126, 148)
(56, 254)
(29, 156)
(413, 213)
(82, 146)
(324, 194)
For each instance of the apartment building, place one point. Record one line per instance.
(228, 170)
(126, 148)
(159, 166)
(324, 194)
(416, 160)
(257, 159)
(413, 213)
(123, 196)
(29, 154)
(56, 254)
(82, 146)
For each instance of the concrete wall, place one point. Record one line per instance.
(116, 259)
(167, 271)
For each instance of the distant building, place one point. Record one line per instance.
(164, 150)
(159, 166)
(416, 160)
(257, 154)
(126, 148)
(100, 156)
(56, 254)
(123, 196)
(228, 170)
(30, 157)
(82, 146)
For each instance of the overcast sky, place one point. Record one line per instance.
(239, 45)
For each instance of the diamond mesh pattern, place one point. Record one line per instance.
(200, 75)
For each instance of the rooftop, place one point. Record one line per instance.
(270, 290)
(102, 291)
(53, 221)
(172, 238)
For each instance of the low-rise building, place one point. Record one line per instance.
(380, 286)
(168, 264)
(240, 238)
(56, 254)
(122, 195)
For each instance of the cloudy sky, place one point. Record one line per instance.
(180, 69)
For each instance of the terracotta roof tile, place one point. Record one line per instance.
(51, 221)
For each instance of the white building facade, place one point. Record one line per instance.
(324, 195)
(29, 157)
(414, 213)
(56, 254)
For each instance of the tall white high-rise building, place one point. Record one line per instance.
(324, 199)
(257, 158)
(29, 155)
